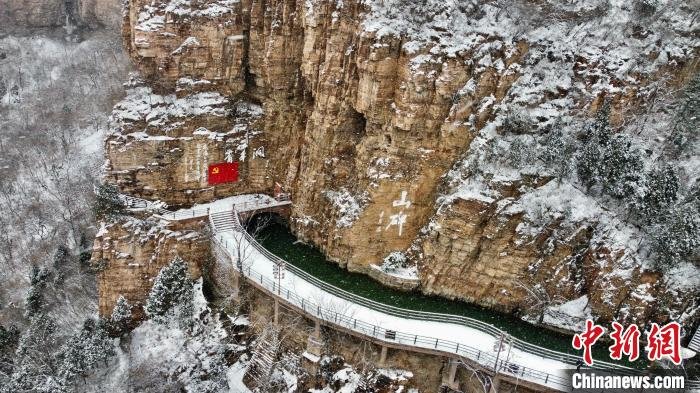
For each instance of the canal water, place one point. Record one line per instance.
(279, 240)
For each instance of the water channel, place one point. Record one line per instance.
(278, 239)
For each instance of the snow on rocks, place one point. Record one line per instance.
(396, 264)
(571, 315)
(348, 206)
(156, 111)
(153, 17)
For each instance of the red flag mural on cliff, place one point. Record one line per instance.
(223, 172)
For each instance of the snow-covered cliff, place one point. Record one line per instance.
(459, 133)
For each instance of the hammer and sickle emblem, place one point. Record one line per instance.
(215, 170)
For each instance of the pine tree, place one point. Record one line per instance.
(9, 338)
(597, 135)
(61, 259)
(608, 160)
(84, 351)
(33, 370)
(659, 194)
(107, 205)
(622, 167)
(35, 296)
(120, 319)
(557, 152)
(172, 294)
(677, 238)
(519, 154)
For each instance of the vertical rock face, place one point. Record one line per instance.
(358, 128)
(129, 255)
(366, 127)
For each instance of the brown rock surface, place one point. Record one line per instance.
(361, 130)
(130, 253)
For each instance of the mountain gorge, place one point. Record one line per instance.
(504, 170)
(449, 136)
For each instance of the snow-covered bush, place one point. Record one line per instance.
(517, 122)
(171, 295)
(33, 365)
(676, 238)
(520, 154)
(557, 150)
(170, 357)
(86, 350)
(646, 7)
(348, 206)
(121, 318)
(608, 160)
(35, 295)
(107, 204)
(686, 122)
(658, 195)
(394, 261)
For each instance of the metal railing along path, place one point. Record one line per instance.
(238, 207)
(484, 358)
(430, 316)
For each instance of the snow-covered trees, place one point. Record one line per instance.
(107, 204)
(173, 357)
(32, 366)
(9, 338)
(394, 261)
(35, 296)
(84, 351)
(61, 260)
(676, 237)
(171, 294)
(658, 194)
(687, 118)
(608, 160)
(121, 319)
(609, 164)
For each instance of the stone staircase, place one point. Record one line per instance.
(224, 221)
(264, 357)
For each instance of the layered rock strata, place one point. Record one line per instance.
(364, 126)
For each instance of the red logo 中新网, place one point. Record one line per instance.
(586, 340)
(662, 341)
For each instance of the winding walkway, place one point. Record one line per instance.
(457, 337)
